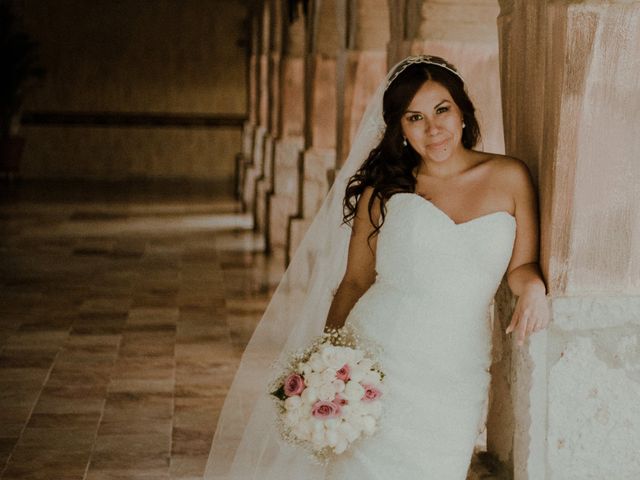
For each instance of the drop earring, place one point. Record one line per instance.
(404, 141)
(463, 125)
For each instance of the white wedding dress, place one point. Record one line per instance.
(428, 310)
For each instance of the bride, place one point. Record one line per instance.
(435, 226)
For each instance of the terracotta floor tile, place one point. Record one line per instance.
(59, 438)
(36, 463)
(128, 474)
(27, 375)
(65, 420)
(80, 375)
(18, 394)
(139, 451)
(142, 385)
(52, 338)
(6, 447)
(187, 466)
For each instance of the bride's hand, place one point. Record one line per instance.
(530, 315)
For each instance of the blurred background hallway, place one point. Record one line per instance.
(124, 310)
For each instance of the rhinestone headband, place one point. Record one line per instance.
(428, 59)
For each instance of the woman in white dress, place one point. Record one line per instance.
(436, 225)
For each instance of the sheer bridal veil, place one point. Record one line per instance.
(246, 444)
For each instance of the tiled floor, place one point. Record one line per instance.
(123, 312)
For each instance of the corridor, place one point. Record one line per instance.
(124, 312)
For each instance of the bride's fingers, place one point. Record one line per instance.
(514, 323)
(522, 329)
(532, 326)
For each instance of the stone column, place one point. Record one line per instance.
(266, 182)
(319, 155)
(245, 158)
(255, 167)
(289, 142)
(362, 64)
(567, 403)
(465, 34)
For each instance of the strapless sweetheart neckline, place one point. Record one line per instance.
(447, 217)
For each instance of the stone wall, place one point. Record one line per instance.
(161, 58)
(571, 107)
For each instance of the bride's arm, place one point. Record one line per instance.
(360, 272)
(523, 273)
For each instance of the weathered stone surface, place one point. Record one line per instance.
(285, 200)
(254, 168)
(317, 162)
(566, 116)
(594, 413)
(264, 184)
(589, 312)
(363, 72)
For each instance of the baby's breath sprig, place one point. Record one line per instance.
(344, 336)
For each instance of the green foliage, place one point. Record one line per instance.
(279, 393)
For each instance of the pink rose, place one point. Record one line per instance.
(340, 400)
(370, 393)
(343, 373)
(293, 385)
(323, 409)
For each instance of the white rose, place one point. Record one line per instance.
(365, 363)
(328, 375)
(302, 430)
(293, 403)
(368, 424)
(314, 380)
(346, 411)
(371, 377)
(371, 408)
(348, 355)
(332, 356)
(331, 437)
(317, 363)
(346, 430)
(310, 394)
(353, 391)
(358, 373)
(338, 385)
(326, 392)
(292, 418)
(358, 409)
(305, 369)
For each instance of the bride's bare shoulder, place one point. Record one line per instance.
(507, 169)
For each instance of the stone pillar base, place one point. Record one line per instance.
(285, 200)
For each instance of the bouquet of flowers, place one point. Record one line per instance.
(329, 394)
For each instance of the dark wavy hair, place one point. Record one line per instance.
(390, 165)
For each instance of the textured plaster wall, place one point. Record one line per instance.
(150, 57)
(571, 110)
(594, 388)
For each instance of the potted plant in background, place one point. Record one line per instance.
(20, 70)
